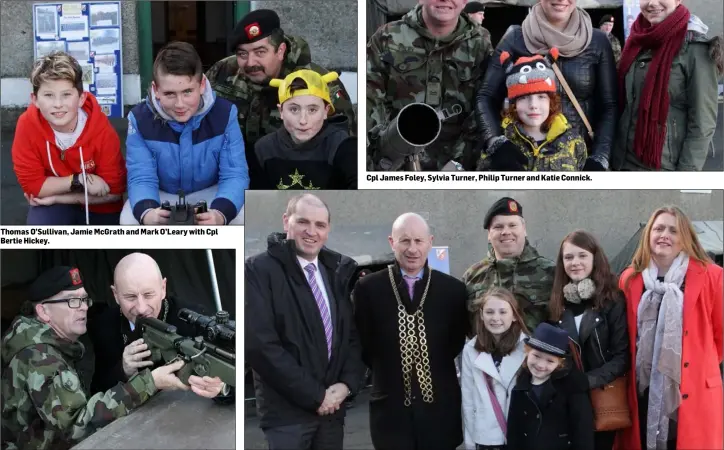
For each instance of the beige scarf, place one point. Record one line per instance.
(540, 36)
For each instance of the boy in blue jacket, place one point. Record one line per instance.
(183, 138)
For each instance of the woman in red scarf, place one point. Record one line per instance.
(667, 90)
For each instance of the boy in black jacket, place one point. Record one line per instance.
(309, 152)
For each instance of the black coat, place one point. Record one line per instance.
(561, 419)
(106, 330)
(285, 342)
(422, 425)
(591, 76)
(602, 341)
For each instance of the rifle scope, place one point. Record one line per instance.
(216, 328)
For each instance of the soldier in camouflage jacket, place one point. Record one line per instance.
(45, 401)
(407, 63)
(256, 101)
(527, 275)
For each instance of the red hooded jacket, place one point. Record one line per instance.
(36, 156)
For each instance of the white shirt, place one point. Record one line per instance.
(578, 321)
(318, 278)
(66, 140)
(133, 327)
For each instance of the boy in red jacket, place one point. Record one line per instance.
(62, 127)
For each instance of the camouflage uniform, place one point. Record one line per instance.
(257, 104)
(44, 402)
(529, 277)
(563, 150)
(616, 46)
(401, 57)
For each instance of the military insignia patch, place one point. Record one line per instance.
(69, 381)
(512, 206)
(75, 277)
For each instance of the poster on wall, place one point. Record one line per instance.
(91, 33)
(439, 259)
(631, 11)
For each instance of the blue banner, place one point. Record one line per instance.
(91, 33)
(439, 259)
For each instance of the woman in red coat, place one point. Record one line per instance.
(674, 310)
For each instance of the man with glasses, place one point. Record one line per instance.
(45, 400)
(120, 353)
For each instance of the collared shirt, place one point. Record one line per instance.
(317, 276)
(133, 327)
(418, 275)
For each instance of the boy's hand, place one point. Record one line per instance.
(96, 185)
(37, 201)
(212, 217)
(156, 216)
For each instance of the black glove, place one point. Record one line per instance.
(595, 163)
(506, 156)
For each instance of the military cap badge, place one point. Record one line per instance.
(512, 206)
(75, 277)
(253, 30)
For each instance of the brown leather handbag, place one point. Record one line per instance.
(610, 402)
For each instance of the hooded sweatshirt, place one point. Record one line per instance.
(37, 157)
(164, 154)
(45, 404)
(327, 161)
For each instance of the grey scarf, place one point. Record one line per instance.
(658, 354)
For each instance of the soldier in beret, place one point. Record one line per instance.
(45, 401)
(512, 263)
(475, 11)
(264, 52)
(606, 25)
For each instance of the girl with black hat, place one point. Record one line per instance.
(550, 406)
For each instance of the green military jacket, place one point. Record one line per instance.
(257, 104)
(616, 47)
(691, 122)
(44, 402)
(563, 150)
(406, 64)
(529, 277)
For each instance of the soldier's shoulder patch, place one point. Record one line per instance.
(69, 380)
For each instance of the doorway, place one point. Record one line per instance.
(204, 24)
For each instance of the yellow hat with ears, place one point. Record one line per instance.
(317, 85)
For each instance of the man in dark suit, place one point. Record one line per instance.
(416, 400)
(139, 290)
(301, 340)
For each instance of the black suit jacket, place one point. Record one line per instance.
(393, 426)
(285, 343)
(106, 330)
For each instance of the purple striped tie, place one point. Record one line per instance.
(410, 285)
(322, 305)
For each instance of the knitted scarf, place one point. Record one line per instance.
(665, 40)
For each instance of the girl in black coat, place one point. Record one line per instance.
(587, 303)
(550, 408)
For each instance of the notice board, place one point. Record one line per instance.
(91, 33)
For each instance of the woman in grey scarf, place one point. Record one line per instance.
(674, 310)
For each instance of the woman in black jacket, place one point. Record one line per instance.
(587, 303)
(587, 63)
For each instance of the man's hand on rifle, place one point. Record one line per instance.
(206, 387)
(165, 379)
(333, 398)
(133, 357)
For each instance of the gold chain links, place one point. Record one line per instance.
(413, 351)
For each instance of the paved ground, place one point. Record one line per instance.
(14, 208)
(356, 433)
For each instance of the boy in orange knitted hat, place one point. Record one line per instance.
(537, 136)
